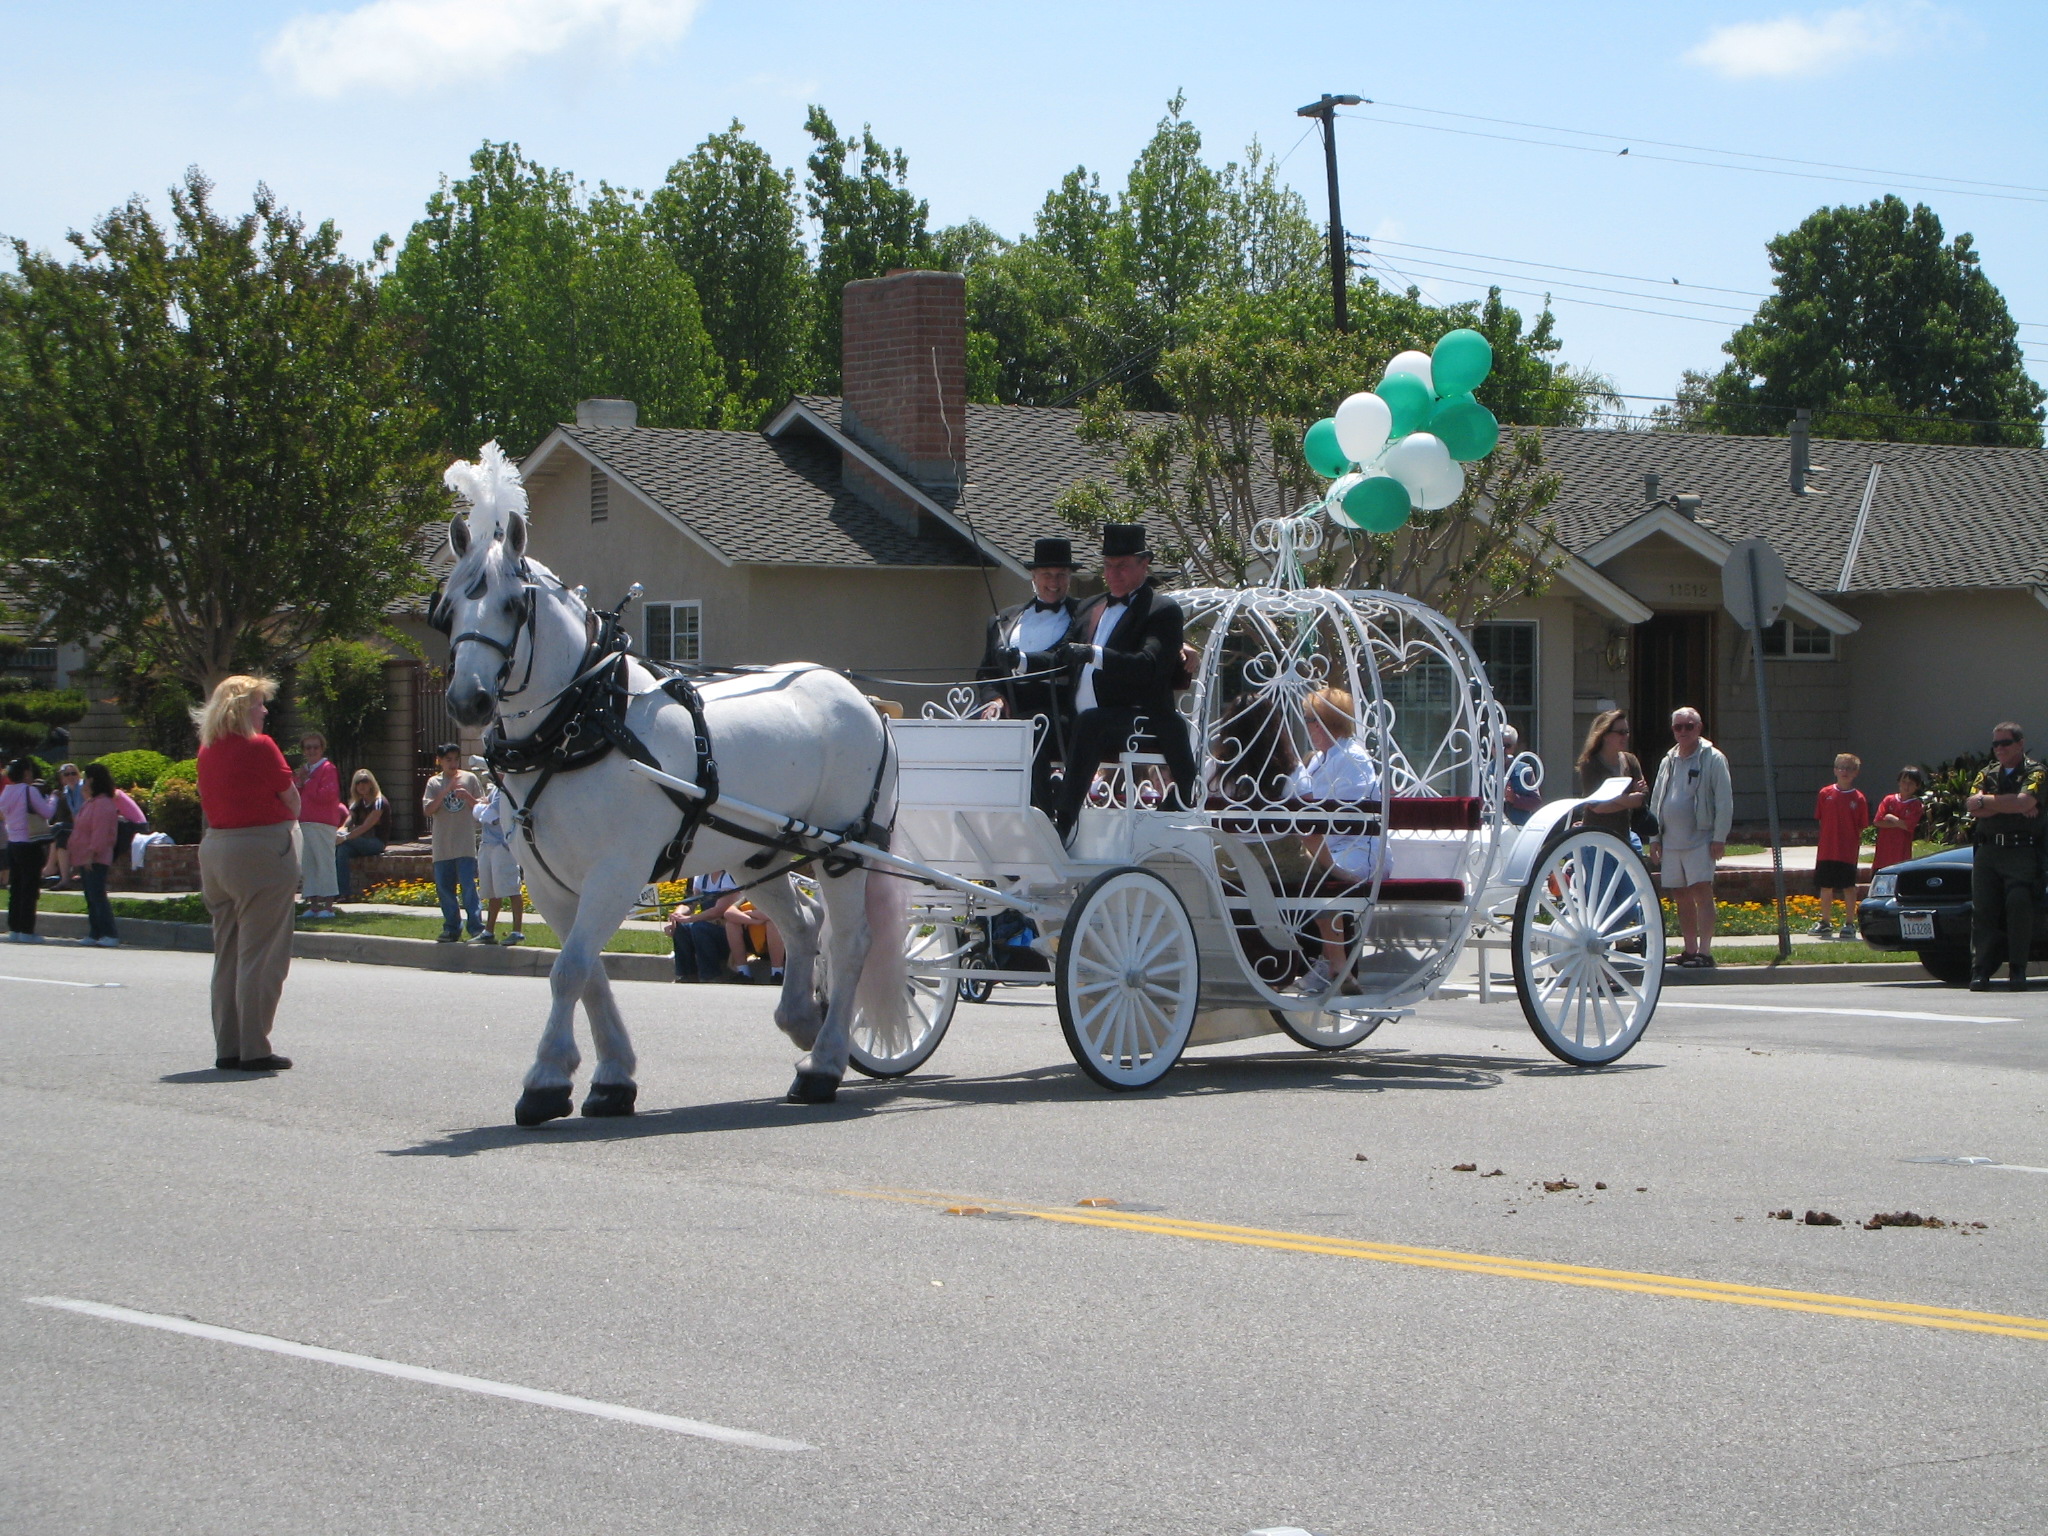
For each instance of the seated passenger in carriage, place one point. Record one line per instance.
(1340, 772)
(1026, 639)
(1124, 650)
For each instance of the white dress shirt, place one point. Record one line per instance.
(1105, 621)
(1038, 629)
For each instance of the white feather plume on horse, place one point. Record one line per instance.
(492, 488)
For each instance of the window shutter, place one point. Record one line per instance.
(600, 496)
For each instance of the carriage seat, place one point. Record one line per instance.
(1405, 813)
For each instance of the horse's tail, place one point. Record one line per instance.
(882, 999)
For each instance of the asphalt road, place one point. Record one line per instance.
(1227, 1351)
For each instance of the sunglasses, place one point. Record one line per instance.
(2005, 741)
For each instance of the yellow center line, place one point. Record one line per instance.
(1641, 1283)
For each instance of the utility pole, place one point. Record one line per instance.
(1324, 112)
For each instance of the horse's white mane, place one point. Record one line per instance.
(493, 490)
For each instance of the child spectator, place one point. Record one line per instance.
(498, 869)
(92, 841)
(1898, 818)
(1843, 814)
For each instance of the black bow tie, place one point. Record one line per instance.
(1118, 602)
(1038, 607)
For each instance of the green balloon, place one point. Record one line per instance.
(1378, 504)
(1408, 398)
(1460, 361)
(1465, 427)
(1324, 453)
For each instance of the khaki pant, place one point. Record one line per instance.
(248, 876)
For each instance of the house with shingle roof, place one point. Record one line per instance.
(876, 531)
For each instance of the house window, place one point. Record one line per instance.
(1806, 641)
(34, 658)
(600, 496)
(1507, 650)
(675, 632)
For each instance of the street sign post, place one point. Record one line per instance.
(1753, 592)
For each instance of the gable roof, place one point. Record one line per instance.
(753, 499)
(1937, 517)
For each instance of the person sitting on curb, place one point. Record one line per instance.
(697, 930)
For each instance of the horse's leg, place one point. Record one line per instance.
(598, 909)
(612, 1090)
(797, 1013)
(846, 933)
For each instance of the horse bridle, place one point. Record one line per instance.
(441, 616)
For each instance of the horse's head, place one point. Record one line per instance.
(486, 607)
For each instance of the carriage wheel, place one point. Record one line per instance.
(906, 1044)
(1328, 1031)
(1588, 949)
(1128, 978)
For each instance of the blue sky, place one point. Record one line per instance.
(351, 109)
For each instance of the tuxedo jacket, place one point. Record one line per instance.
(1050, 695)
(1140, 654)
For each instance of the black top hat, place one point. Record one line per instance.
(1123, 539)
(1051, 552)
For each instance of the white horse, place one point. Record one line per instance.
(796, 739)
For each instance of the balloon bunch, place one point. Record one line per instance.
(1404, 447)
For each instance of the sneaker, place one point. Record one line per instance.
(26, 938)
(110, 942)
(1318, 978)
(448, 938)
(1822, 930)
(515, 937)
(487, 938)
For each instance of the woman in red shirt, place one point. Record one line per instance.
(248, 869)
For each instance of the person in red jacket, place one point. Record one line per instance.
(1898, 819)
(1843, 814)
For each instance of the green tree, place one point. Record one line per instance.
(339, 688)
(527, 296)
(213, 449)
(730, 220)
(868, 222)
(1884, 328)
(1229, 455)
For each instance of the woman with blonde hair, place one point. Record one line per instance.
(248, 868)
(1341, 770)
(361, 833)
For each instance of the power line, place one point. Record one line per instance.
(1516, 261)
(1566, 298)
(1624, 293)
(1715, 165)
(1705, 149)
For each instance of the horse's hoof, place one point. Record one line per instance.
(813, 1088)
(537, 1106)
(607, 1099)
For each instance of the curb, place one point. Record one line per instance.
(1785, 975)
(366, 949)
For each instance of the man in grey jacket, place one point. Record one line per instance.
(1694, 803)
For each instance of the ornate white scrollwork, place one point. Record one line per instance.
(962, 703)
(1288, 540)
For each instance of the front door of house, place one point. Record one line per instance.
(1672, 664)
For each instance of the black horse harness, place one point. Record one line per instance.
(586, 721)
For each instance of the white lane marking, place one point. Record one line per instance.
(1980, 1162)
(435, 1378)
(46, 981)
(1843, 1013)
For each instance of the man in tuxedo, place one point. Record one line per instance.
(1025, 639)
(1124, 652)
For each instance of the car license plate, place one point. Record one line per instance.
(1916, 925)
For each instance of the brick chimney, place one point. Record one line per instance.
(903, 346)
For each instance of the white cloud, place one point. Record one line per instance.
(409, 46)
(1815, 44)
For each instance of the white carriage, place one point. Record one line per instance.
(1290, 898)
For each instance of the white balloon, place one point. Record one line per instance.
(1333, 499)
(1441, 491)
(1417, 460)
(1416, 363)
(1363, 422)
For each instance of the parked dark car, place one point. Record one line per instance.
(1924, 905)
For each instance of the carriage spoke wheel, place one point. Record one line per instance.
(1588, 949)
(1331, 1030)
(903, 1045)
(1128, 979)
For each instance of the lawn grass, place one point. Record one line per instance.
(1921, 848)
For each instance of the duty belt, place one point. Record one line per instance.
(2012, 839)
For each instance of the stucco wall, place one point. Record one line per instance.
(1809, 701)
(1930, 674)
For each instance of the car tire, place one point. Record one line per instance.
(1946, 965)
